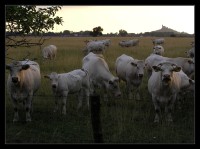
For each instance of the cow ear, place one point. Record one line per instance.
(190, 61)
(7, 66)
(176, 69)
(47, 76)
(26, 66)
(191, 81)
(156, 68)
(133, 64)
(116, 79)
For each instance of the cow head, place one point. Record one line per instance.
(140, 67)
(15, 70)
(157, 50)
(187, 84)
(53, 77)
(166, 70)
(113, 86)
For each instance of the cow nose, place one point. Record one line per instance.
(14, 79)
(118, 95)
(54, 86)
(140, 75)
(166, 76)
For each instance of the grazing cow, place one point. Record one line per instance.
(129, 43)
(187, 64)
(164, 84)
(158, 41)
(131, 71)
(107, 42)
(23, 82)
(100, 75)
(97, 47)
(49, 52)
(159, 50)
(190, 53)
(187, 86)
(62, 84)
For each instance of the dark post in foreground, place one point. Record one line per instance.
(95, 117)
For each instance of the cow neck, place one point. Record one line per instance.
(21, 75)
(107, 75)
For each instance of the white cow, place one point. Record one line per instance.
(23, 82)
(159, 50)
(190, 52)
(131, 71)
(158, 41)
(49, 52)
(164, 84)
(129, 43)
(187, 86)
(62, 84)
(187, 64)
(107, 42)
(100, 75)
(97, 47)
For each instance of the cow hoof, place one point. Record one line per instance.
(28, 120)
(15, 120)
(156, 121)
(137, 96)
(130, 96)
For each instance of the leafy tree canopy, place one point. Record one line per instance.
(23, 20)
(97, 31)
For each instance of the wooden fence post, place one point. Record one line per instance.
(95, 118)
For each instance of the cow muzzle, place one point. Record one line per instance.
(140, 75)
(166, 78)
(15, 80)
(53, 86)
(118, 95)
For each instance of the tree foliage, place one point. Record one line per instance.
(97, 31)
(122, 32)
(24, 20)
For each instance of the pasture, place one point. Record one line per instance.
(122, 120)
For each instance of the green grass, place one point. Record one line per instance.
(122, 120)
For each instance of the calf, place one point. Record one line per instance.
(69, 83)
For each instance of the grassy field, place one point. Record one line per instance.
(123, 120)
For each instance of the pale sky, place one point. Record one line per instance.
(133, 19)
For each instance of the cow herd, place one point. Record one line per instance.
(167, 78)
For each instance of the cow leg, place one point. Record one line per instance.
(157, 109)
(64, 100)
(168, 108)
(129, 89)
(80, 99)
(28, 108)
(137, 94)
(86, 94)
(88, 98)
(105, 96)
(16, 115)
(56, 104)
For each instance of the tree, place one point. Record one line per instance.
(97, 31)
(122, 32)
(22, 21)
